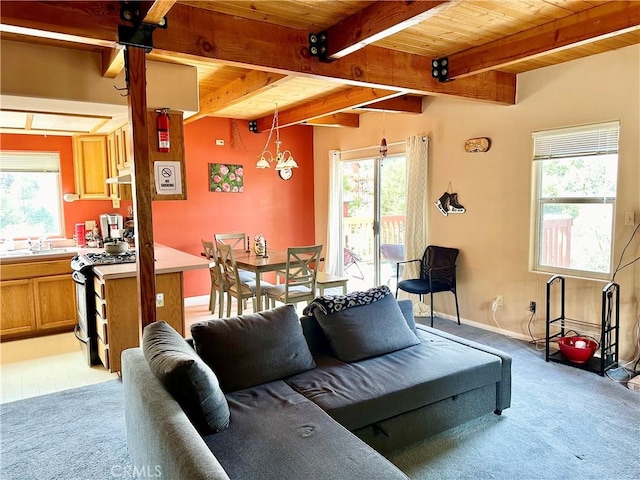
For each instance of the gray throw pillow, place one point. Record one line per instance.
(254, 348)
(191, 382)
(367, 330)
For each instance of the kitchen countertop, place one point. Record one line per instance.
(168, 260)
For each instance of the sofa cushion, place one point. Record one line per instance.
(191, 382)
(254, 348)
(362, 393)
(366, 330)
(276, 433)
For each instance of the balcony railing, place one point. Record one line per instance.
(358, 233)
(555, 247)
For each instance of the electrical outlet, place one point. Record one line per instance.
(160, 300)
(532, 306)
(219, 142)
(499, 301)
(629, 218)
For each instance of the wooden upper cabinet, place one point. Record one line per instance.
(91, 166)
(124, 146)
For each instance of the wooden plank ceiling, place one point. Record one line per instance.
(252, 55)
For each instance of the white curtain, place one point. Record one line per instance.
(416, 234)
(333, 255)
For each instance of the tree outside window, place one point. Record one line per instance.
(575, 181)
(30, 202)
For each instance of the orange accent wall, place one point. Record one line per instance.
(283, 211)
(75, 212)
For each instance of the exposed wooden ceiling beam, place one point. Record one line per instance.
(240, 89)
(597, 23)
(334, 103)
(156, 11)
(202, 34)
(112, 62)
(375, 22)
(403, 104)
(336, 120)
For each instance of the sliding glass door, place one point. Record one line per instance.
(373, 219)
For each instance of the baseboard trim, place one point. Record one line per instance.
(192, 301)
(482, 326)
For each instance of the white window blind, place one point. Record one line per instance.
(29, 161)
(600, 139)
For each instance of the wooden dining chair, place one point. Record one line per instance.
(300, 276)
(241, 290)
(236, 241)
(218, 285)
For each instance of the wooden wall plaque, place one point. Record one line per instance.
(477, 145)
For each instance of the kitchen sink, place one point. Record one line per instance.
(23, 252)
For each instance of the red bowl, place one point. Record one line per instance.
(577, 349)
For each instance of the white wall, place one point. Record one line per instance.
(495, 187)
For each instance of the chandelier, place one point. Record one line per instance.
(284, 160)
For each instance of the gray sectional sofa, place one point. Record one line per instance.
(295, 404)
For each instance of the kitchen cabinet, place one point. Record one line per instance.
(117, 320)
(16, 300)
(55, 302)
(117, 191)
(124, 147)
(36, 298)
(91, 167)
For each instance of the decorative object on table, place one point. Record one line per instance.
(259, 245)
(477, 145)
(248, 249)
(265, 254)
(224, 177)
(448, 203)
(283, 159)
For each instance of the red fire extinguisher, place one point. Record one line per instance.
(163, 130)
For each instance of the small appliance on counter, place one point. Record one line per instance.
(110, 225)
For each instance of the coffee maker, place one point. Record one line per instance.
(110, 226)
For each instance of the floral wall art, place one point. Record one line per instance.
(225, 178)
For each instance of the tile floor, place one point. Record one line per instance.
(41, 365)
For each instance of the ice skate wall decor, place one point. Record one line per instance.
(448, 203)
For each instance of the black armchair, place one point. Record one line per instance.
(437, 274)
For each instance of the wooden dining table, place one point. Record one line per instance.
(276, 260)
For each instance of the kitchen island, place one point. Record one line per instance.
(117, 303)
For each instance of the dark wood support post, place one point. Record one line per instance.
(142, 171)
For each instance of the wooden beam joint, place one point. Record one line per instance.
(318, 46)
(440, 69)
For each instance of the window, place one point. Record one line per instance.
(30, 204)
(575, 178)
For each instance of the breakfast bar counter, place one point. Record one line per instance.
(117, 305)
(168, 260)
